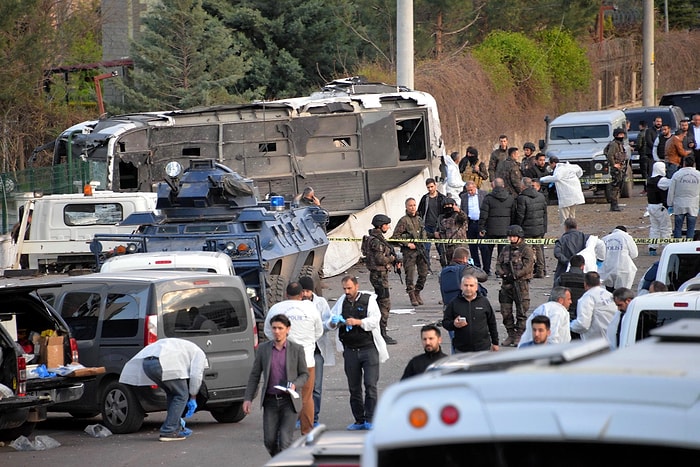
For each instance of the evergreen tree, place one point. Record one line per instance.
(184, 58)
(296, 45)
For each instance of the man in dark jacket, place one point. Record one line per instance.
(573, 279)
(496, 215)
(571, 242)
(539, 170)
(531, 215)
(509, 171)
(452, 274)
(432, 352)
(472, 319)
(498, 156)
(429, 208)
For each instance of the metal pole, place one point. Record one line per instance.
(404, 43)
(666, 15)
(648, 78)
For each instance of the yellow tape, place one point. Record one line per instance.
(505, 241)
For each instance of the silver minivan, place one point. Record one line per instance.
(114, 315)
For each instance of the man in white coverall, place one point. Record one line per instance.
(657, 192)
(454, 185)
(569, 192)
(595, 309)
(557, 310)
(618, 268)
(177, 367)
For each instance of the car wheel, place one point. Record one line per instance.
(231, 414)
(121, 412)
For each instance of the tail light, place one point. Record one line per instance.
(150, 334)
(74, 350)
(21, 377)
(254, 327)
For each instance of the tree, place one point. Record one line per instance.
(296, 45)
(35, 35)
(185, 58)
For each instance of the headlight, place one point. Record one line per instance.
(173, 169)
(598, 166)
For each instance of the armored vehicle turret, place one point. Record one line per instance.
(209, 207)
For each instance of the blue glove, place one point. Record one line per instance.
(471, 261)
(551, 185)
(191, 407)
(599, 263)
(670, 210)
(337, 319)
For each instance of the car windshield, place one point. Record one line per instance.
(635, 117)
(690, 103)
(580, 132)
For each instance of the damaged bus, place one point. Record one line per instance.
(351, 142)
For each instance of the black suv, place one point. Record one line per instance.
(23, 402)
(670, 114)
(689, 101)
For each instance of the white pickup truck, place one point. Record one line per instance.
(651, 311)
(62, 226)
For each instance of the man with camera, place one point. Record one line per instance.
(472, 319)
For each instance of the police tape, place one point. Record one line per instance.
(505, 241)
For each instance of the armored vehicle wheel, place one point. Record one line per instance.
(231, 414)
(121, 412)
(277, 286)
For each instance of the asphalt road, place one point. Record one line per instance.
(241, 444)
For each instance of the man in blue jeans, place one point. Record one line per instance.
(177, 367)
(356, 316)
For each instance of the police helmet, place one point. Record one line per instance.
(515, 231)
(530, 146)
(380, 219)
(619, 131)
(448, 201)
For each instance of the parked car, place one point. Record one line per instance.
(670, 114)
(689, 101)
(114, 315)
(24, 402)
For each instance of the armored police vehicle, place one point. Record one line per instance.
(209, 207)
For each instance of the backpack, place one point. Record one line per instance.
(364, 247)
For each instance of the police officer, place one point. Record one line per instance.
(415, 260)
(515, 266)
(380, 258)
(617, 161)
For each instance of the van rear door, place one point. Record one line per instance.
(215, 314)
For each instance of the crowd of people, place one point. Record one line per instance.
(591, 283)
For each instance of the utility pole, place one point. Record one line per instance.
(404, 43)
(648, 78)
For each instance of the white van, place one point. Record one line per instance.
(193, 261)
(566, 404)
